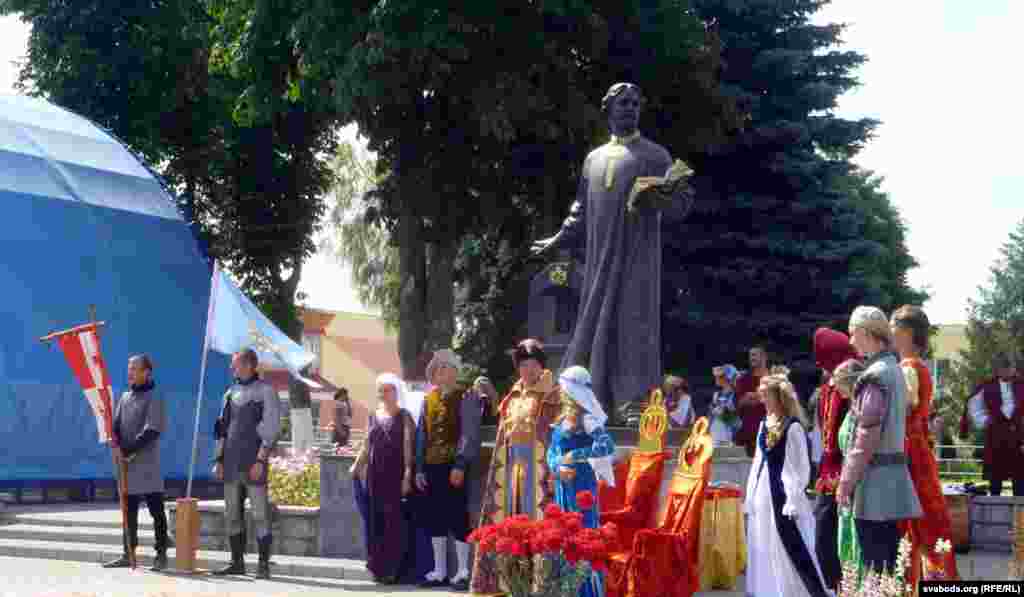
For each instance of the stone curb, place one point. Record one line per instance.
(100, 535)
(205, 560)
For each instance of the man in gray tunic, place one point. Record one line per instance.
(875, 481)
(246, 432)
(617, 219)
(139, 420)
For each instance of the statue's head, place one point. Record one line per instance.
(622, 105)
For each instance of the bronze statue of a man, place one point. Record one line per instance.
(616, 218)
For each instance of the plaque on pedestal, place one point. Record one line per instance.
(553, 305)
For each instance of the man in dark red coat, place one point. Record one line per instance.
(831, 348)
(749, 406)
(997, 406)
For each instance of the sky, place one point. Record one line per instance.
(948, 149)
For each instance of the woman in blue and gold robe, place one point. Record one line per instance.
(581, 451)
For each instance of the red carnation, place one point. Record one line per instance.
(506, 546)
(489, 543)
(585, 500)
(552, 511)
(571, 553)
(554, 541)
(572, 521)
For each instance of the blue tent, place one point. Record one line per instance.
(87, 223)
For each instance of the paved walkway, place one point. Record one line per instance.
(51, 578)
(25, 576)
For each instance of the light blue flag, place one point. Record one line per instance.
(236, 324)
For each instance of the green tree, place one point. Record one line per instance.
(456, 124)
(995, 324)
(243, 143)
(885, 270)
(785, 235)
(363, 245)
(1002, 300)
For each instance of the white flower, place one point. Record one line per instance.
(943, 546)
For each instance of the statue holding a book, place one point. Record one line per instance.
(625, 186)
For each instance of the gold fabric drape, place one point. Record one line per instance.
(723, 549)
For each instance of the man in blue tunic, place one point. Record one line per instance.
(246, 433)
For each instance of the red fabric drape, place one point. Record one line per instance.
(664, 561)
(611, 498)
(642, 486)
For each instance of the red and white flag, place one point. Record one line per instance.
(81, 347)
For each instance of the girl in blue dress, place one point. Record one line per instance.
(581, 452)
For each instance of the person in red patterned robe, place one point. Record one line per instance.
(997, 406)
(830, 349)
(750, 407)
(910, 330)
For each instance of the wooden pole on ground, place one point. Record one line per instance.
(186, 534)
(122, 477)
(122, 467)
(186, 531)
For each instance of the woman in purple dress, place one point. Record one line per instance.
(384, 465)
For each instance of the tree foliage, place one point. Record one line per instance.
(786, 234)
(995, 322)
(242, 142)
(479, 142)
(364, 245)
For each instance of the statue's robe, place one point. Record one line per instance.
(618, 327)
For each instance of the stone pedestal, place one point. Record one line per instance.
(296, 529)
(341, 526)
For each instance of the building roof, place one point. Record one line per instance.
(379, 356)
(278, 379)
(315, 321)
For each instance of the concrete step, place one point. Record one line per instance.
(109, 517)
(72, 534)
(98, 553)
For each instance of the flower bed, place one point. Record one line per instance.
(550, 557)
(294, 479)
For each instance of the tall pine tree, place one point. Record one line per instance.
(784, 236)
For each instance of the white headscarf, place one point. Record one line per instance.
(390, 379)
(577, 384)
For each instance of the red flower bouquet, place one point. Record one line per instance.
(548, 557)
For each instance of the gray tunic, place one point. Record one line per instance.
(618, 328)
(253, 413)
(134, 414)
(886, 491)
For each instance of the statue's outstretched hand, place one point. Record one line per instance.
(543, 246)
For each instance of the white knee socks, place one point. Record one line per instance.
(440, 571)
(462, 552)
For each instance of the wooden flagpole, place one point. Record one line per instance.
(122, 466)
(122, 481)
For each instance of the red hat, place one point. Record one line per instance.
(831, 348)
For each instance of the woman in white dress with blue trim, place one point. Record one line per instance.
(781, 559)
